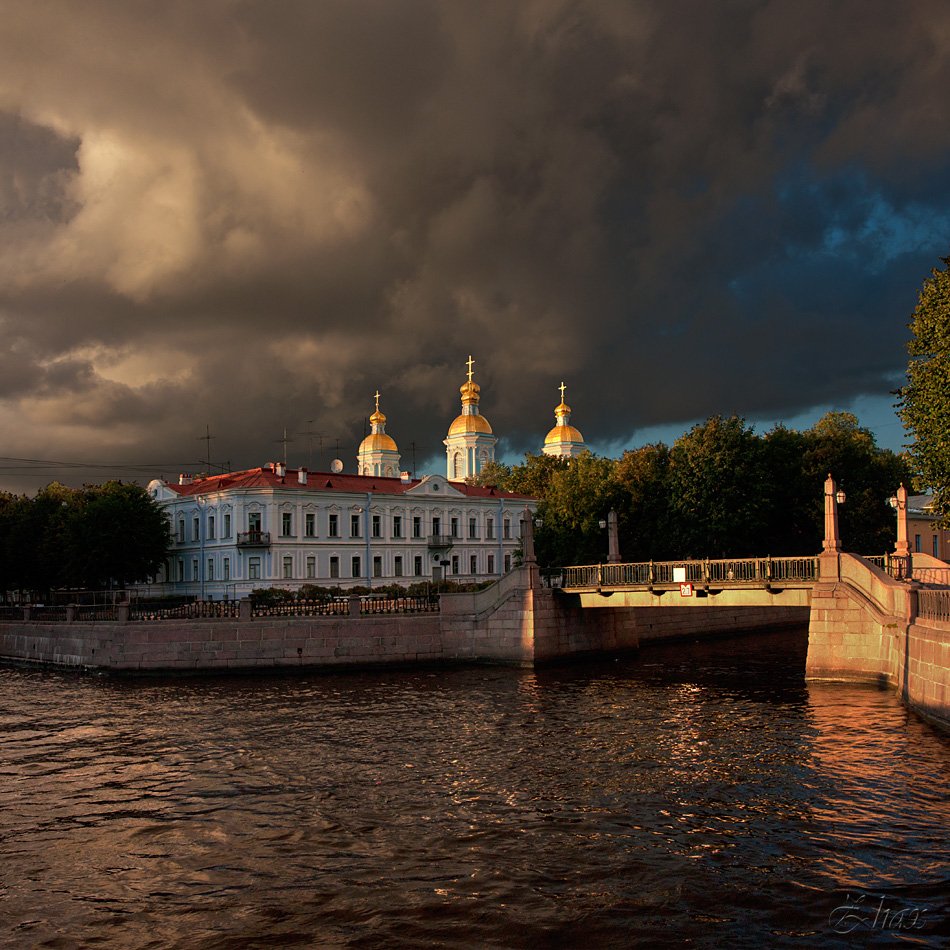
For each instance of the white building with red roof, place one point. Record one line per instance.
(276, 526)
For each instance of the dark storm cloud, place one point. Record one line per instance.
(253, 215)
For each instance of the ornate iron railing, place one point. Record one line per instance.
(705, 573)
(934, 604)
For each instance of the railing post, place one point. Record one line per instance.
(244, 608)
(354, 605)
(600, 575)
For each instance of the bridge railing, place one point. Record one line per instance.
(934, 604)
(763, 570)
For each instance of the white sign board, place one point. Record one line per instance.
(679, 575)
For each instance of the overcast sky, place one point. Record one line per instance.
(250, 215)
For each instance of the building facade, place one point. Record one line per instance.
(276, 526)
(922, 536)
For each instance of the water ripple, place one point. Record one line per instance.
(701, 795)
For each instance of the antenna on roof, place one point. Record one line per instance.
(310, 434)
(207, 438)
(285, 440)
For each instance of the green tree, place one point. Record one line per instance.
(643, 507)
(717, 505)
(119, 536)
(925, 401)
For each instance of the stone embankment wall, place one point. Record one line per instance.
(865, 626)
(515, 621)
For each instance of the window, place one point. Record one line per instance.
(455, 564)
(288, 567)
(473, 527)
(254, 522)
(334, 567)
(397, 566)
(490, 530)
(377, 526)
(356, 567)
(507, 563)
(254, 568)
(377, 566)
(917, 542)
(455, 527)
(311, 567)
(210, 569)
(286, 524)
(437, 526)
(196, 530)
(310, 524)
(181, 530)
(491, 563)
(211, 527)
(181, 569)
(397, 526)
(226, 564)
(334, 531)
(416, 526)
(506, 529)
(194, 569)
(473, 564)
(417, 565)
(354, 526)
(457, 465)
(227, 525)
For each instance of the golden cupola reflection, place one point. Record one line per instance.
(470, 442)
(564, 440)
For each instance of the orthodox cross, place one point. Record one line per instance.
(562, 387)
(470, 363)
(377, 400)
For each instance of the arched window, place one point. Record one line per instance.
(457, 465)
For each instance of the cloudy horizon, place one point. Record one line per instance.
(250, 217)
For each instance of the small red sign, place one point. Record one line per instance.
(686, 590)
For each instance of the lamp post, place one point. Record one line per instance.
(201, 538)
(899, 503)
(834, 496)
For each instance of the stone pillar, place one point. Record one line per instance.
(354, 605)
(832, 542)
(122, 611)
(527, 536)
(613, 538)
(70, 613)
(829, 568)
(902, 547)
(244, 608)
(27, 611)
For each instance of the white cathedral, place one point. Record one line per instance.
(276, 526)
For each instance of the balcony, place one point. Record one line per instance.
(253, 539)
(441, 542)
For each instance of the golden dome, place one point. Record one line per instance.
(378, 441)
(473, 423)
(563, 434)
(377, 417)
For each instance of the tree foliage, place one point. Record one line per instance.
(719, 491)
(92, 537)
(925, 400)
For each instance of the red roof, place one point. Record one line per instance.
(267, 477)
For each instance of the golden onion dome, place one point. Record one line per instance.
(377, 418)
(473, 423)
(563, 433)
(376, 442)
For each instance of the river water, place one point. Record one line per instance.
(690, 795)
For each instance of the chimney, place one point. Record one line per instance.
(302, 476)
(280, 470)
(405, 478)
(184, 479)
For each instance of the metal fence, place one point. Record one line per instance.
(934, 604)
(198, 610)
(734, 571)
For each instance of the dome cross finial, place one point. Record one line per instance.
(377, 400)
(470, 363)
(562, 387)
